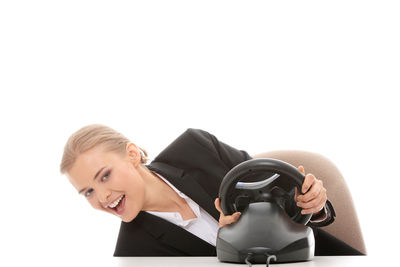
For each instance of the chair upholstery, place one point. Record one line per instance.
(346, 226)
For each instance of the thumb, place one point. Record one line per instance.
(301, 169)
(218, 205)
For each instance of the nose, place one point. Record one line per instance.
(103, 195)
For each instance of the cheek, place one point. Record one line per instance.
(128, 182)
(135, 188)
(135, 198)
(95, 204)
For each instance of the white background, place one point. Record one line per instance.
(259, 75)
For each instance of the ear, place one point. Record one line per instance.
(133, 153)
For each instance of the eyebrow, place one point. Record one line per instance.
(97, 174)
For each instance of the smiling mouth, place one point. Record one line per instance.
(119, 205)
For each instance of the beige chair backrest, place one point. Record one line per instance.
(346, 226)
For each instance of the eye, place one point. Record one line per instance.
(106, 176)
(89, 192)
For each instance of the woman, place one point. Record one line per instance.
(170, 206)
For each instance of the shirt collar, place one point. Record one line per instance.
(175, 216)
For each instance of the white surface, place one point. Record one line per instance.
(330, 261)
(260, 75)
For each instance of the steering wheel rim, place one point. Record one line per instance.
(260, 165)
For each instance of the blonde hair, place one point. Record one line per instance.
(91, 136)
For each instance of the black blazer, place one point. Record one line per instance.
(195, 163)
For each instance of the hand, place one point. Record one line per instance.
(313, 196)
(225, 219)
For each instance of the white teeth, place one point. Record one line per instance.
(115, 203)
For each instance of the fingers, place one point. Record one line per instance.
(309, 180)
(313, 189)
(313, 196)
(315, 205)
(225, 219)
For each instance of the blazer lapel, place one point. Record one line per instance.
(187, 185)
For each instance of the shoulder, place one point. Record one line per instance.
(196, 146)
(191, 142)
(200, 138)
(198, 135)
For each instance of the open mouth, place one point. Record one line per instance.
(119, 205)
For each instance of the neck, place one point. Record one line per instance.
(159, 196)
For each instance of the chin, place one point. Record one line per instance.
(130, 212)
(128, 219)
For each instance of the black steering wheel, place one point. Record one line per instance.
(262, 180)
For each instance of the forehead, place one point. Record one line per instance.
(87, 164)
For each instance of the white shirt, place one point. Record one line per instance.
(204, 226)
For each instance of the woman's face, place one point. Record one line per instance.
(109, 181)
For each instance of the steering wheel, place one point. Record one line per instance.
(262, 180)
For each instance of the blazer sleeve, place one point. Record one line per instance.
(329, 213)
